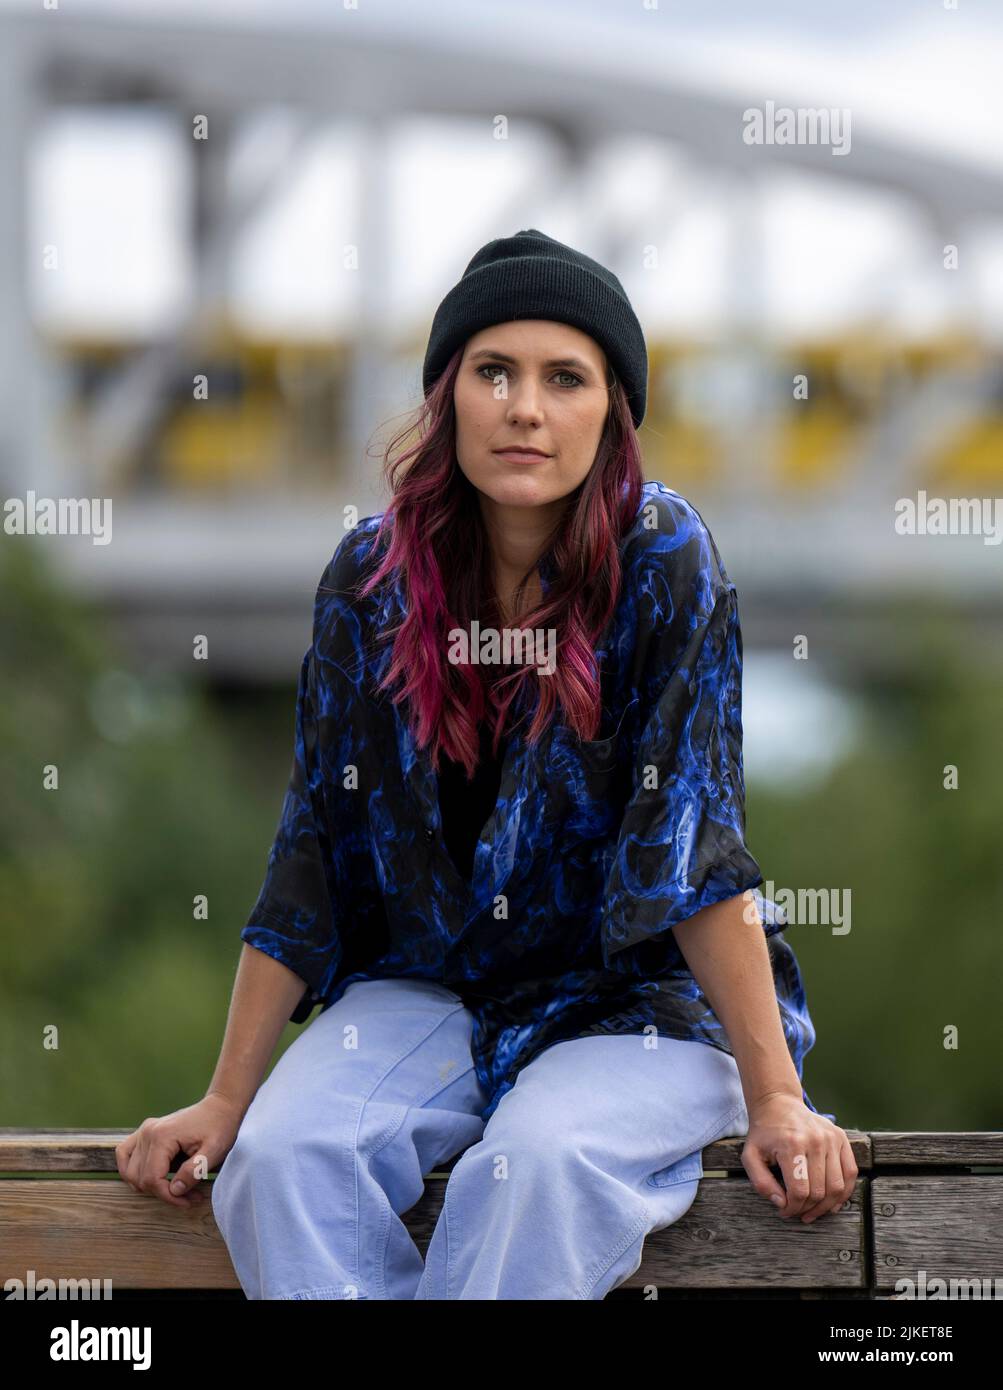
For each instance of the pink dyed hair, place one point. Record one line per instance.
(438, 546)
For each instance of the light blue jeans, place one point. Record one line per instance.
(597, 1144)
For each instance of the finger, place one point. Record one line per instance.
(190, 1175)
(161, 1148)
(160, 1179)
(761, 1178)
(841, 1177)
(818, 1189)
(849, 1166)
(123, 1152)
(798, 1169)
(816, 1204)
(134, 1170)
(832, 1184)
(846, 1173)
(159, 1187)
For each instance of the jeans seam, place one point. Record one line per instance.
(449, 1242)
(381, 1141)
(631, 1236)
(394, 1125)
(297, 1294)
(411, 1105)
(415, 1105)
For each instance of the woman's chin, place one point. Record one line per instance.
(519, 490)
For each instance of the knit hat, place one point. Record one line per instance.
(532, 276)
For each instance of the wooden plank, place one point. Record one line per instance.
(731, 1239)
(93, 1151)
(951, 1227)
(103, 1230)
(934, 1148)
(59, 1150)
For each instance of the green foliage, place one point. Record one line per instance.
(925, 874)
(156, 802)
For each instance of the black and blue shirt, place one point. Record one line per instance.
(592, 852)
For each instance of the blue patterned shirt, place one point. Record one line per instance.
(593, 852)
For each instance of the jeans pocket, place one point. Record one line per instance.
(686, 1169)
(690, 1166)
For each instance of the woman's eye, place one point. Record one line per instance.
(495, 368)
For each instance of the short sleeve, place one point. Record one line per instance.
(301, 912)
(294, 919)
(682, 842)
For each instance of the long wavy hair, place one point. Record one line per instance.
(435, 543)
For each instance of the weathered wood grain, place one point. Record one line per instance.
(93, 1151)
(950, 1226)
(896, 1148)
(103, 1230)
(732, 1239)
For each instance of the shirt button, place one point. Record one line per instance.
(429, 833)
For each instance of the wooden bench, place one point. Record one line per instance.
(926, 1205)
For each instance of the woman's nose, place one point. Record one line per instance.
(524, 403)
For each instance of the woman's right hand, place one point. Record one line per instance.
(206, 1131)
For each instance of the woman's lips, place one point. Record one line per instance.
(520, 456)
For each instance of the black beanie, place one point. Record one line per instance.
(532, 276)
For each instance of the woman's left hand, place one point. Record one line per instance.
(813, 1154)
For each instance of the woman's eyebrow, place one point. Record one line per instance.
(554, 361)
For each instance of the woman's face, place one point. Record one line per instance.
(536, 384)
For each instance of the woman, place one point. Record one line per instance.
(558, 968)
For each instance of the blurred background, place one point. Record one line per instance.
(224, 230)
